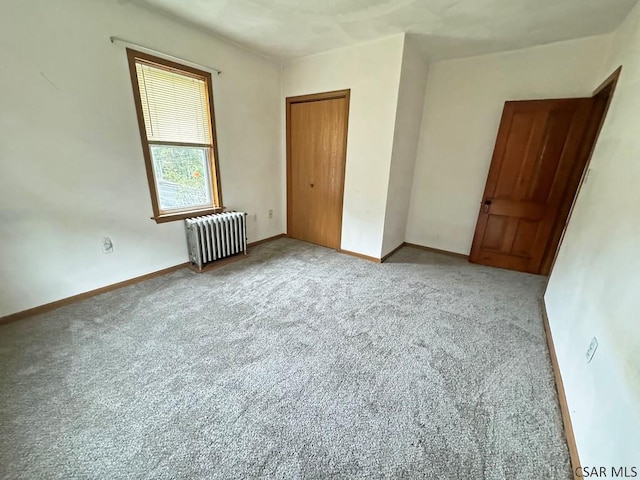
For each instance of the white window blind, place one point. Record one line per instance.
(175, 106)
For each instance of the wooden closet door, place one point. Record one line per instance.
(316, 163)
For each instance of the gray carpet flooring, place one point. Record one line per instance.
(297, 362)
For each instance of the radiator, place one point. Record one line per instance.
(216, 236)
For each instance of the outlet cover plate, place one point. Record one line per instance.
(107, 245)
(593, 346)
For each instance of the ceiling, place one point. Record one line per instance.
(285, 29)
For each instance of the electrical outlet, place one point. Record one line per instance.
(107, 245)
(270, 213)
(593, 346)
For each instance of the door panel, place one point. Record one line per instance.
(526, 233)
(596, 118)
(495, 232)
(317, 147)
(536, 150)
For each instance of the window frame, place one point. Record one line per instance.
(133, 57)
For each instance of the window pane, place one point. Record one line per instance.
(182, 176)
(175, 107)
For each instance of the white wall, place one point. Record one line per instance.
(372, 72)
(595, 284)
(71, 161)
(462, 110)
(411, 93)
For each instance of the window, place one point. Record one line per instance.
(177, 128)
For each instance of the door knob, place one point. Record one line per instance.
(487, 204)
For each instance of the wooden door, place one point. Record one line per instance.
(537, 150)
(316, 152)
